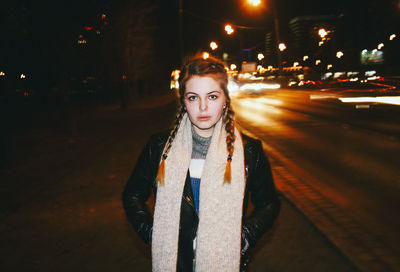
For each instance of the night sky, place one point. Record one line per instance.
(35, 30)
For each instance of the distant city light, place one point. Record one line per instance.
(317, 62)
(329, 66)
(229, 30)
(392, 37)
(103, 16)
(295, 64)
(365, 51)
(338, 74)
(282, 46)
(82, 41)
(88, 28)
(260, 56)
(213, 45)
(322, 33)
(22, 76)
(233, 66)
(305, 58)
(2, 73)
(270, 67)
(320, 43)
(206, 55)
(380, 46)
(339, 54)
(369, 73)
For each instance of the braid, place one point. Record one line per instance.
(230, 140)
(161, 169)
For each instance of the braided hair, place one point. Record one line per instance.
(211, 67)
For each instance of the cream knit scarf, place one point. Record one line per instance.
(220, 214)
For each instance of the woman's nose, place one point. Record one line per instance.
(203, 104)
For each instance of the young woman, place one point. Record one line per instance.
(202, 173)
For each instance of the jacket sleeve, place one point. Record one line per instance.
(138, 189)
(263, 196)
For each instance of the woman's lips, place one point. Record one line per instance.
(203, 118)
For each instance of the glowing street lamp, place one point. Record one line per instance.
(22, 76)
(254, 3)
(380, 46)
(213, 45)
(317, 62)
(392, 37)
(329, 66)
(233, 66)
(206, 55)
(282, 46)
(339, 54)
(322, 33)
(229, 29)
(305, 58)
(260, 56)
(2, 73)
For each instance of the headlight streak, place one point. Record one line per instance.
(259, 86)
(393, 100)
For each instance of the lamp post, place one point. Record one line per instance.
(277, 33)
(277, 36)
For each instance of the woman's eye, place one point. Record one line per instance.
(191, 98)
(213, 97)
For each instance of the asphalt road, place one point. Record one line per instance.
(346, 153)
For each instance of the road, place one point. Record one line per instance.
(338, 162)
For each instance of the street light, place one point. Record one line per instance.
(213, 45)
(322, 33)
(254, 3)
(229, 29)
(260, 56)
(380, 46)
(339, 54)
(282, 46)
(305, 58)
(206, 55)
(392, 37)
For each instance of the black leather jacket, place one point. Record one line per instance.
(259, 185)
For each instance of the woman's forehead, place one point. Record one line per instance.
(202, 84)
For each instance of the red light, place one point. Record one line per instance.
(88, 28)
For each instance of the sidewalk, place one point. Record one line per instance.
(61, 206)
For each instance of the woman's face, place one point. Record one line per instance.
(204, 101)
